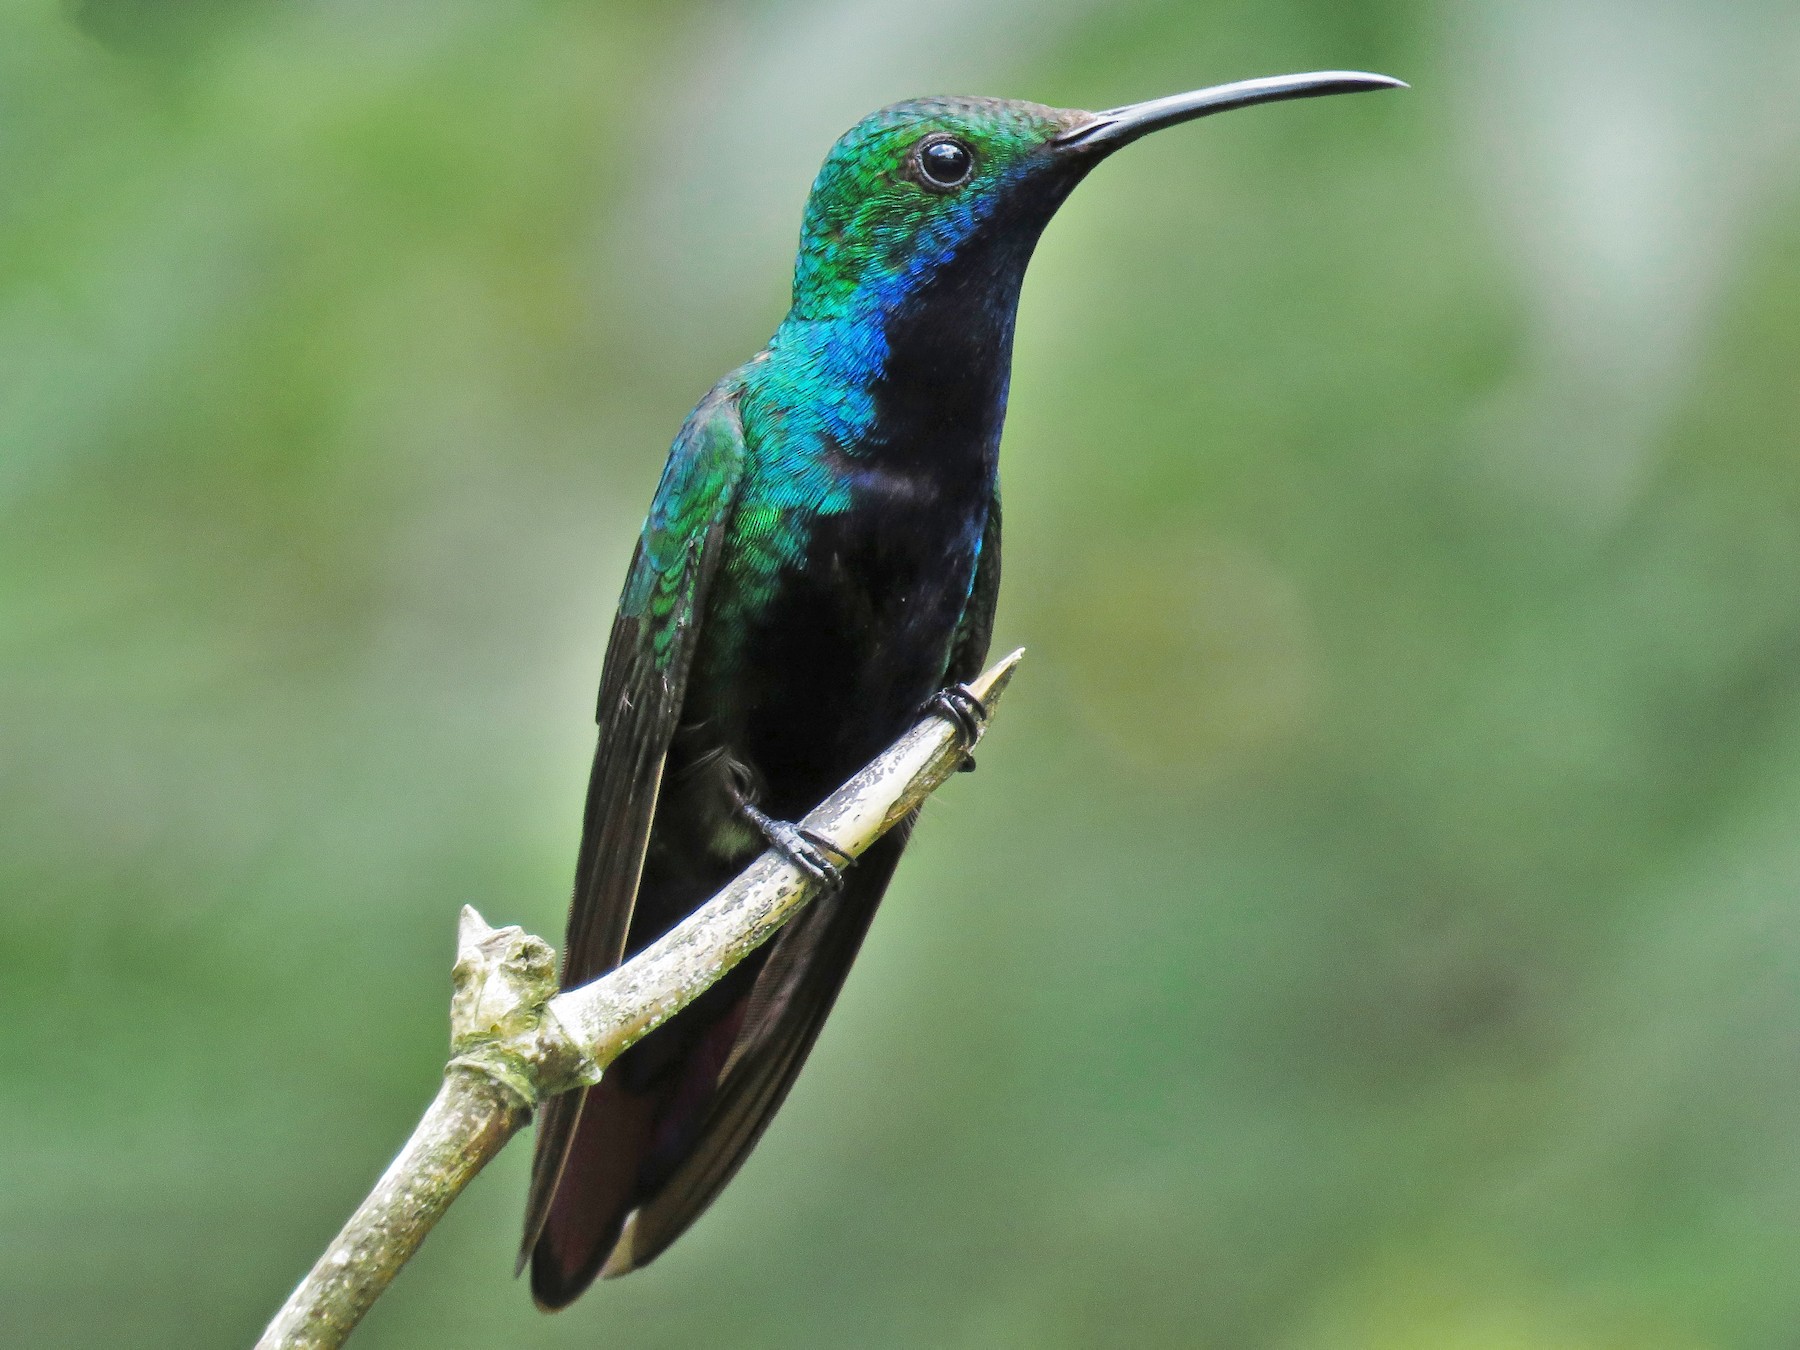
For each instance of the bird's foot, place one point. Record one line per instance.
(807, 849)
(959, 706)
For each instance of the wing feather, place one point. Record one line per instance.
(793, 994)
(648, 658)
(968, 649)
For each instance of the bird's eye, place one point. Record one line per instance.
(945, 163)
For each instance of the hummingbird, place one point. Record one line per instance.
(820, 563)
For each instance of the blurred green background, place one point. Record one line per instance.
(1375, 921)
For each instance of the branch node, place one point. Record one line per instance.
(501, 1068)
(503, 979)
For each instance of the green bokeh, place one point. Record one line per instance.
(1373, 924)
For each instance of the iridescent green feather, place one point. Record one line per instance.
(869, 229)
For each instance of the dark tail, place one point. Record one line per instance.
(677, 1114)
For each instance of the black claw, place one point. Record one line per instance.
(959, 705)
(825, 846)
(806, 849)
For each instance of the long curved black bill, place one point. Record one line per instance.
(1118, 126)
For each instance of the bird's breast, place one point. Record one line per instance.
(834, 618)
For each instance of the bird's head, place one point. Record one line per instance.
(918, 184)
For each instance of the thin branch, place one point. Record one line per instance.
(515, 1040)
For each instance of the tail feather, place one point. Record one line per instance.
(687, 1104)
(593, 1195)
